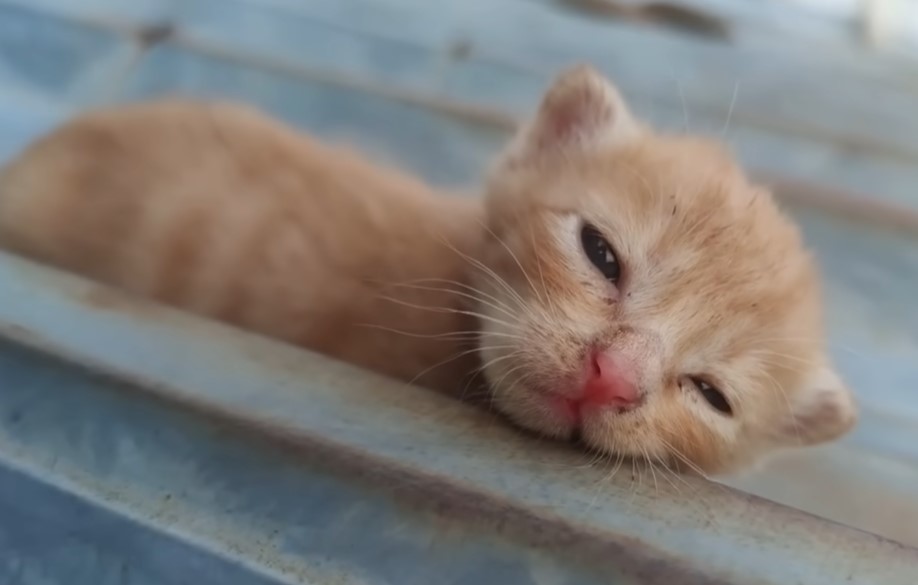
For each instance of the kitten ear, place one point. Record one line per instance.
(822, 411)
(580, 110)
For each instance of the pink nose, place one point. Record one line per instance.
(610, 381)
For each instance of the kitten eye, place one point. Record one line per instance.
(714, 396)
(600, 253)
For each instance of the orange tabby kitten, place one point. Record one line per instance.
(619, 285)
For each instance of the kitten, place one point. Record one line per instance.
(616, 284)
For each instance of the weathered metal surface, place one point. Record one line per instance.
(386, 76)
(133, 473)
(796, 106)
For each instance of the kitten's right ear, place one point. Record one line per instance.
(581, 110)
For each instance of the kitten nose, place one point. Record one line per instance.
(611, 381)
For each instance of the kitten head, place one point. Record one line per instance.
(640, 293)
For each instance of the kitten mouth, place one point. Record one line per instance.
(571, 411)
(568, 410)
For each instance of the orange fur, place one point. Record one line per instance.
(220, 210)
(715, 284)
(217, 209)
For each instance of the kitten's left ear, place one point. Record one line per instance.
(581, 110)
(822, 411)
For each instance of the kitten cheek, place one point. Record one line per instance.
(518, 403)
(596, 295)
(692, 439)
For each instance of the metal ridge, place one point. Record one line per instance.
(443, 456)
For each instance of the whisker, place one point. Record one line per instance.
(489, 272)
(650, 464)
(551, 305)
(497, 359)
(491, 389)
(679, 455)
(498, 385)
(609, 476)
(451, 310)
(463, 285)
(666, 472)
(685, 112)
(452, 358)
(461, 294)
(448, 336)
(776, 386)
(515, 259)
(736, 87)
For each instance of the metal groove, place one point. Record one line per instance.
(477, 114)
(447, 467)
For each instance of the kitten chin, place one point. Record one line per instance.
(616, 284)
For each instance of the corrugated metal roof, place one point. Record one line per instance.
(386, 75)
(110, 473)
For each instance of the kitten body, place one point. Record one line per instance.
(703, 304)
(218, 209)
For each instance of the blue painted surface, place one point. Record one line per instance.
(265, 29)
(185, 466)
(331, 473)
(300, 59)
(446, 150)
(50, 535)
(51, 56)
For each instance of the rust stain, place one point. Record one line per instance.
(155, 33)
(664, 14)
(460, 49)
